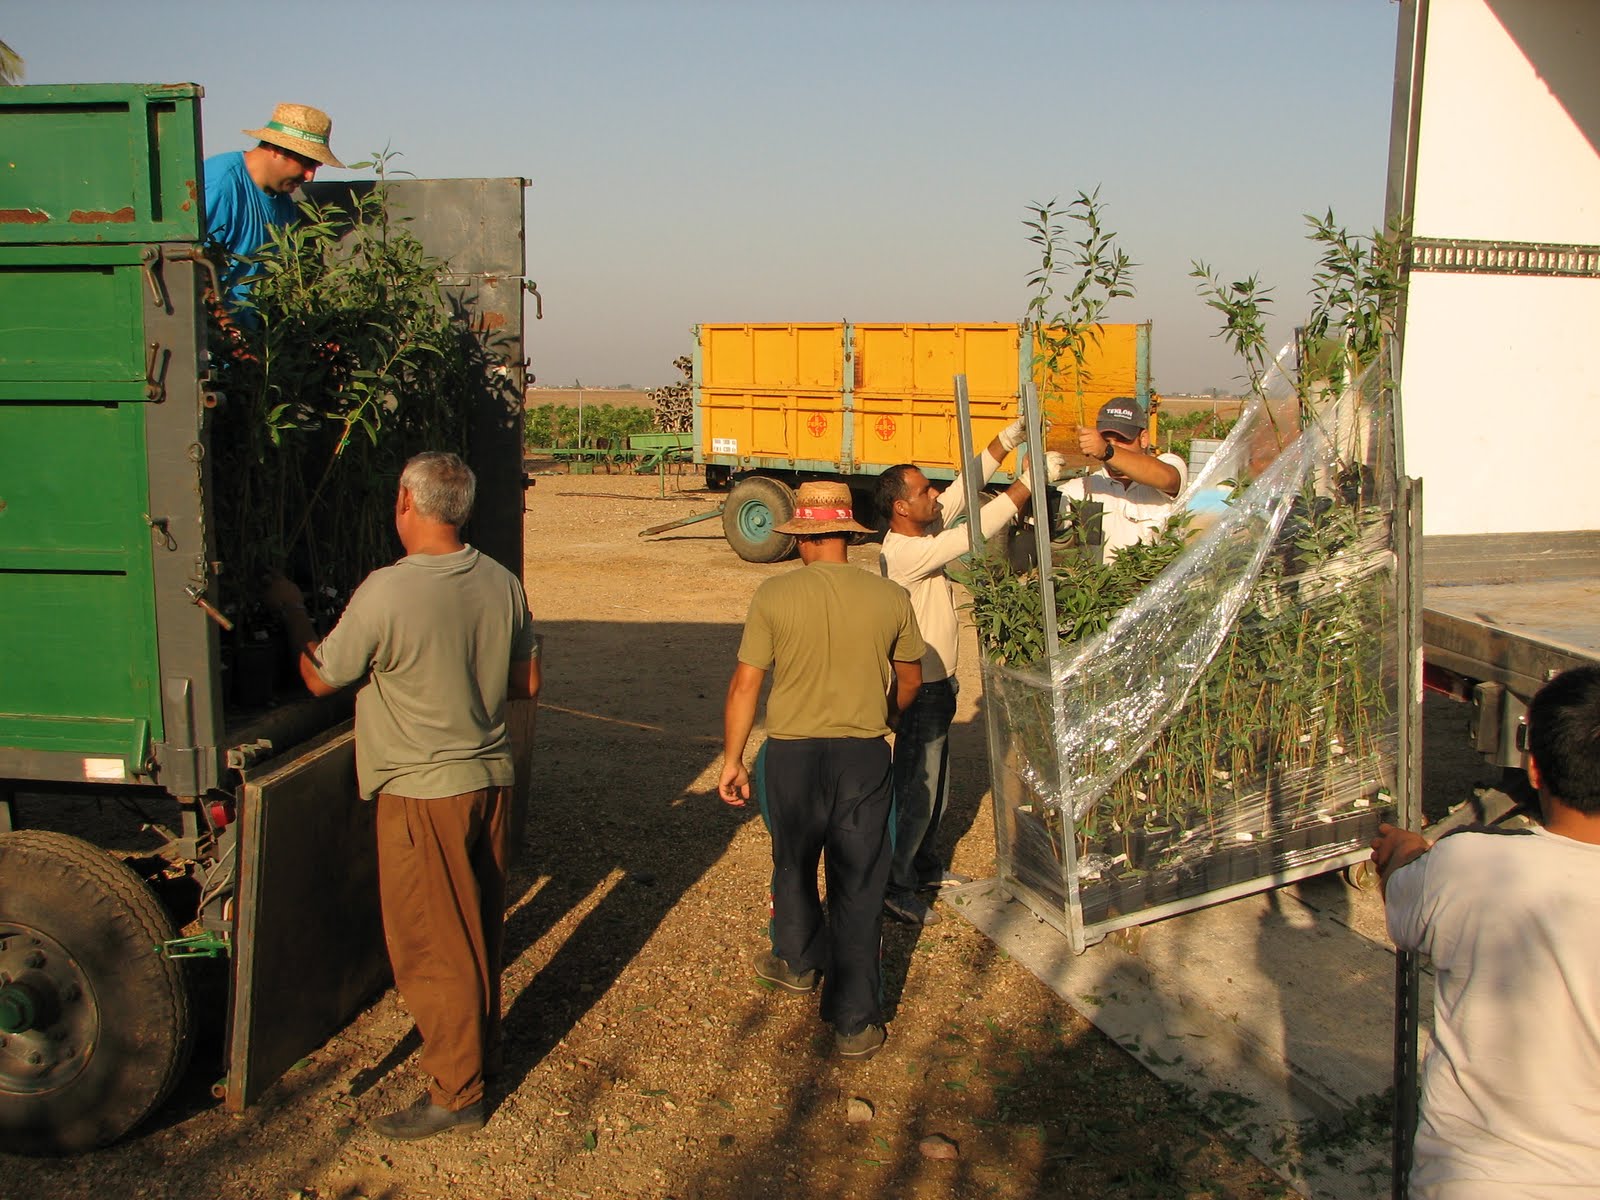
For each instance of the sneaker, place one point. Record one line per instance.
(425, 1118)
(945, 879)
(860, 1046)
(910, 910)
(775, 971)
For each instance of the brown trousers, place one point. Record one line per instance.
(441, 880)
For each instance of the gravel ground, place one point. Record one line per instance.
(643, 1057)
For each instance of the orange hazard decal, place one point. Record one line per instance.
(818, 424)
(884, 428)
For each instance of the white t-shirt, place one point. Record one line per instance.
(917, 564)
(1511, 1085)
(1134, 512)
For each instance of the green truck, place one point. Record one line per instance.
(112, 673)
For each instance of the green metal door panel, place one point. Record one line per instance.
(72, 483)
(74, 645)
(100, 163)
(79, 656)
(72, 323)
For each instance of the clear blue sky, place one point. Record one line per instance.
(807, 160)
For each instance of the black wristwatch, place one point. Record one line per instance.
(1111, 448)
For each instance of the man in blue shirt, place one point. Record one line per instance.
(249, 191)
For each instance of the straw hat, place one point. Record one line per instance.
(301, 129)
(822, 506)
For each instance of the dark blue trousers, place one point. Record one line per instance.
(828, 799)
(921, 786)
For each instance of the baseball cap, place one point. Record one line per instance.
(1122, 416)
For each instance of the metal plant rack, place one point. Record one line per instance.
(1055, 891)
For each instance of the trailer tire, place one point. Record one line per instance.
(757, 504)
(94, 1016)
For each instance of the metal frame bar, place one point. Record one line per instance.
(1033, 418)
(847, 400)
(189, 755)
(969, 477)
(1050, 911)
(1407, 967)
(1473, 256)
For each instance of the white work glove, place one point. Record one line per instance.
(1013, 435)
(1016, 433)
(1055, 466)
(1025, 472)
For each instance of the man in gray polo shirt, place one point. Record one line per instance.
(441, 638)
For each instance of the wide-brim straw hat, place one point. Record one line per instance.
(822, 506)
(300, 128)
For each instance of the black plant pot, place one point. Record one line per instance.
(1157, 841)
(1161, 887)
(1347, 829)
(1250, 861)
(1293, 845)
(1129, 895)
(1095, 899)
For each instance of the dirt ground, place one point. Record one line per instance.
(643, 1057)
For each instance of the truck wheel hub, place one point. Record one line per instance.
(755, 519)
(48, 1018)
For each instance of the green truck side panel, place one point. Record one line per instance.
(143, 141)
(72, 317)
(91, 178)
(79, 656)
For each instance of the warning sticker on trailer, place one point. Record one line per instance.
(724, 445)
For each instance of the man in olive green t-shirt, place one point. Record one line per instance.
(440, 639)
(846, 656)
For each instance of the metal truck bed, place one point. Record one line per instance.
(1518, 630)
(1511, 608)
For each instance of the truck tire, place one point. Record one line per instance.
(95, 1023)
(757, 504)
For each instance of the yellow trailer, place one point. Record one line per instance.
(778, 404)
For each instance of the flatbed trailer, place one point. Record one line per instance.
(1501, 616)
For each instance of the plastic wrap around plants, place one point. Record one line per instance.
(1236, 720)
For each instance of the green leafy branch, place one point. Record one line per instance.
(1244, 305)
(1076, 281)
(351, 359)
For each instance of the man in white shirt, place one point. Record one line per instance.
(1511, 1085)
(1135, 488)
(916, 549)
